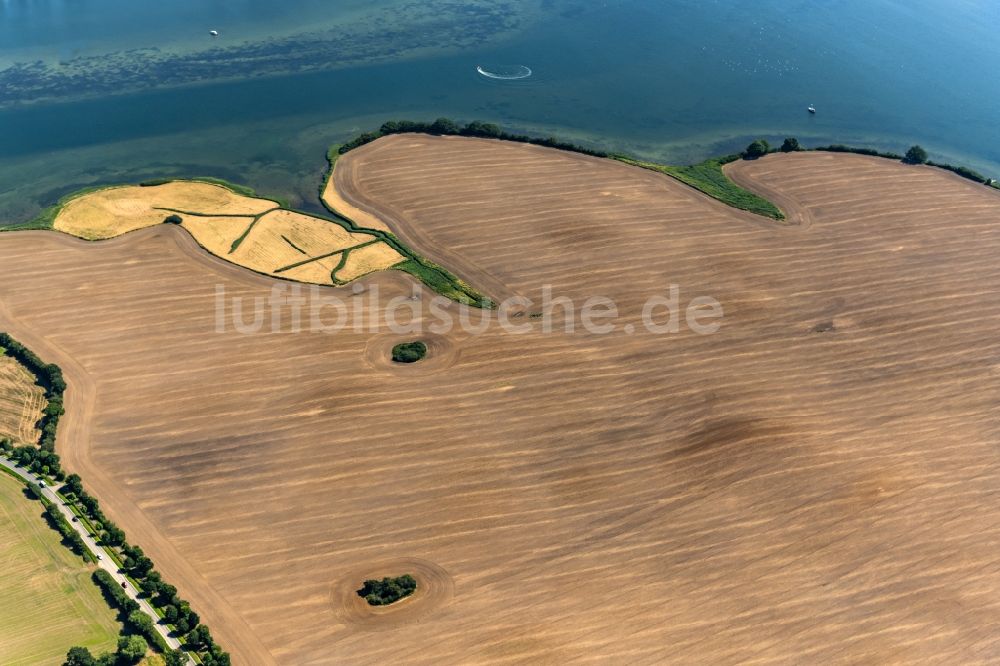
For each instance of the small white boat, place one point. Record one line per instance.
(811, 109)
(214, 33)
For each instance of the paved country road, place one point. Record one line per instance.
(104, 561)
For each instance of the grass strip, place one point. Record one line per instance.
(443, 282)
(708, 178)
(246, 232)
(340, 265)
(326, 256)
(293, 245)
(196, 214)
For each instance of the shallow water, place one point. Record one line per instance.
(108, 90)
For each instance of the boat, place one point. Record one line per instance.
(214, 33)
(811, 109)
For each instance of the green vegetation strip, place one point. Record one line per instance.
(196, 214)
(707, 177)
(340, 264)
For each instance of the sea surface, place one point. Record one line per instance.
(95, 91)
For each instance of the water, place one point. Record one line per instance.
(114, 91)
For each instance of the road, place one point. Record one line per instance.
(104, 561)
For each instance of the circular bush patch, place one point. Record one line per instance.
(388, 590)
(409, 352)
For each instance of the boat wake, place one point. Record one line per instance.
(505, 73)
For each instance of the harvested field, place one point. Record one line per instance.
(364, 260)
(817, 481)
(48, 602)
(253, 233)
(310, 235)
(21, 403)
(217, 234)
(360, 217)
(285, 239)
(114, 211)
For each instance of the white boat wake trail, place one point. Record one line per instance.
(505, 73)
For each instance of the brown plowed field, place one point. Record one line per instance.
(817, 482)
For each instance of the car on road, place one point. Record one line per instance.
(41, 484)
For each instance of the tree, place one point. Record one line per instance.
(444, 126)
(79, 656)
(73, 484)
(165, 594)
(173, 219)
(141, 623)
(192, 617)
(790, 145)
(758, 148)
(193, 639)
(131, 649)
(170, 614)
(113, 535)
(141, 566)
(174, 658)
(477, 128)
(915, 155)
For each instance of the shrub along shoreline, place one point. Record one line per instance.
(163, 597)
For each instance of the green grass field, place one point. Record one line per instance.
(48, 602)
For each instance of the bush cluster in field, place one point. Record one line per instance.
(388, 590)
(409, 352)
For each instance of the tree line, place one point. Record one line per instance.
(758, 148)
(448, 127)
(915, 155)
(50, 377)
(45, 461)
